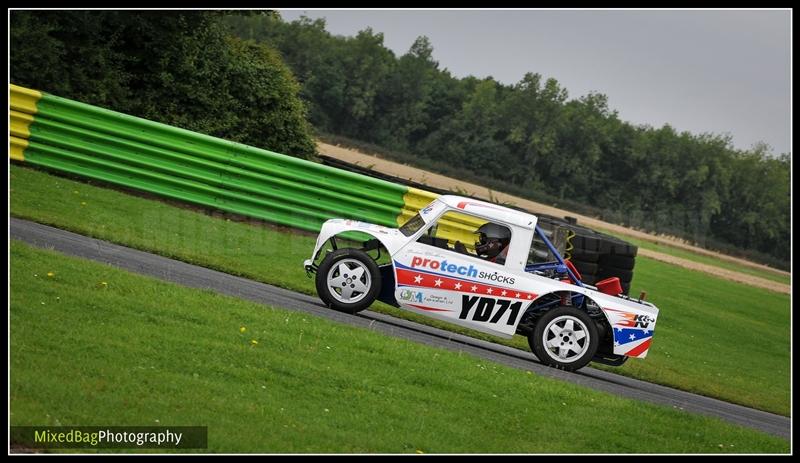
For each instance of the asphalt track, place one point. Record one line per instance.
(199, 277)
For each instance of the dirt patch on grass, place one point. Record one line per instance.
(717, 271)
(447, 183)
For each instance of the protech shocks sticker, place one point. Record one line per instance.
(407, 276)
(467, 271)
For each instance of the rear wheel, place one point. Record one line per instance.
(348, 280)
(565, 338)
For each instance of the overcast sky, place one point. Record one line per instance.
(701, 71)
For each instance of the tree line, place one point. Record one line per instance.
(531, 137)
(181, 68)
(259, 80)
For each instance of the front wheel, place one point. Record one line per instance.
(565, 338)
(348, 280)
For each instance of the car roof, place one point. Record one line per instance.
(489, 210)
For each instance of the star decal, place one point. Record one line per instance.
(418, 279)
(438, 282)
(503, 293)
(632, 336)
(474, 288)
(489, 291)
(457, 286)
(517, 296)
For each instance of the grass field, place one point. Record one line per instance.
(91, 344)
(704, 259)
(714, 337)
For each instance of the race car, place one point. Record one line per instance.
(486, 267)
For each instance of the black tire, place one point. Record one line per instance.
(584, 255)
(623, 248)
(612, 245)
(349, 300)
(584, 243)
(585, 267)
(624, 275)
(618, 261)
(543, 338)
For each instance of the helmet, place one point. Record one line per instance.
(492, 239)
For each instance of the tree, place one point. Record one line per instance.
(175, 67)
(406, 97)
(529, 136)
(530, 116)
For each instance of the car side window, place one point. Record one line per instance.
(540, 252)
(459, 232)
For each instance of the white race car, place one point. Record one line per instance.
(485, 267)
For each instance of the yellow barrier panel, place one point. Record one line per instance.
(20, 124)
(18, 146)
(453, 227)
(414, 200)
(23, 105)
(24, 99)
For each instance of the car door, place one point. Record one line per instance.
(436, 280)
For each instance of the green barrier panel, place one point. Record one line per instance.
(93, 142)
(249, 184)
(122, 126)
(89, 141)
(176, 188)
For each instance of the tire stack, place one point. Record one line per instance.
(598, 256)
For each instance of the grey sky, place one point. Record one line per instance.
(701, 71)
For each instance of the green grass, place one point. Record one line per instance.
(708, 329)
(704, 259)
(715, 337)
(91, 344)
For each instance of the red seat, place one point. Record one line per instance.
(609, 286)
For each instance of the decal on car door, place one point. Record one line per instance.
(463, 292)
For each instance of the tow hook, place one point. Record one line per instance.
(310, 267)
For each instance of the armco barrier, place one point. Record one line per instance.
(97, 143)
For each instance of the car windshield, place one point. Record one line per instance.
(412, 226)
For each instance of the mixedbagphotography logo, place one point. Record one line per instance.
(106, 437)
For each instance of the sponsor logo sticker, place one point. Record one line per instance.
(463, 270)
(630, 320)
(420, 297)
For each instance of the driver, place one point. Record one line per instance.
(492, 244)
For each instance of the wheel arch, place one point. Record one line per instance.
(553, 299)
(381, 243)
